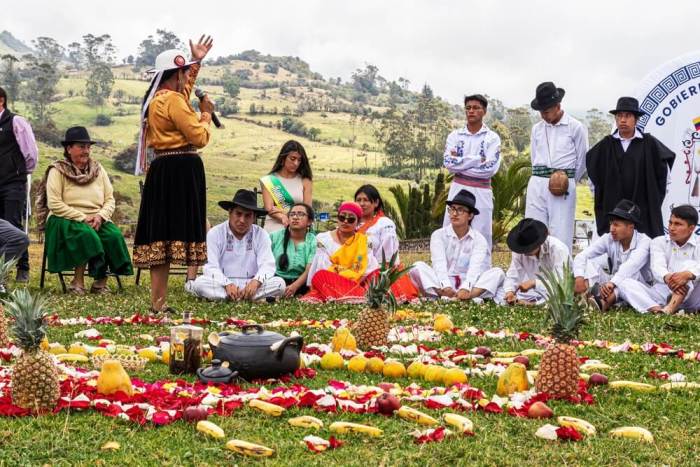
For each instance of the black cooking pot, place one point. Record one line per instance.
(257, 354)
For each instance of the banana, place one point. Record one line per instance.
(505, 354)
(581, 425)
(531, 352)
(463, 424)
(347, 427)
(306, 421)
(633, 432)
(249, 449)
(211, 429)
(589, 367)
(270, 409)
(72, 357)
(505, 360)
(633, 385)
(407, 413)
(679, 385)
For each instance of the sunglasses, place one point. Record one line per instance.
(347, 219)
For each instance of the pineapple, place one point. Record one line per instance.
(559, 367)
(5, 268)
(35, 375)
(372, 327)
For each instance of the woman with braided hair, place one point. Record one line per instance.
(294, 248)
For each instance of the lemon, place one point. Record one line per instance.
(332, 361)
(357, 364)
(375, 365)
(443, 323)
(416, 369)
(165, 355)
(394, 369)
(100, 351)
(434, 374)
(453, 376)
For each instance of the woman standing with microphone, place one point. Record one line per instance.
(172, 218)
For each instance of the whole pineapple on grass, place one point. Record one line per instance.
(5, 268)
(35, 383)
(559, 367)
(372, 326)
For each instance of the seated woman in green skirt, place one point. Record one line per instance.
(80, 203)
(294, 248)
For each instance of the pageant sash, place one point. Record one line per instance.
(279, 193)
(350, 260)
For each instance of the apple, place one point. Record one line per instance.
(522, 359)
(195, 413)
(539, 410)
(598, 379)
(160, 339)
(387, 404)
(483, 351)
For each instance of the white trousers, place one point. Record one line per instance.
(425, 278)
(557, 212)
(212, 289)
(642, 297)
(482, 222)
(536, 296)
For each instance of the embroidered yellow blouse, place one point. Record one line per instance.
(173, 123)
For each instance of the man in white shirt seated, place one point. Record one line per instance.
(460, 256)
(240, 264)
(534, 251)
(675, 265)
(621, 254)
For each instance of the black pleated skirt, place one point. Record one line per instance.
(172, 217)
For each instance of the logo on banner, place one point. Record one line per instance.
(670, 98)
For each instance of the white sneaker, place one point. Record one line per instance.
(189, 287)
(478, 300)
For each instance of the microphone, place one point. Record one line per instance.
(214, 118)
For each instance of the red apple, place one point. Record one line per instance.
(522, 359)
(195, 414)
(387, 404)
(598, 379)
(539, 410)
(483, 351)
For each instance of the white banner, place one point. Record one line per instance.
(670, 97)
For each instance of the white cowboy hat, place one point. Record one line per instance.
(170, 60)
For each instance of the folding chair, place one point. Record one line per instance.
(63, 274)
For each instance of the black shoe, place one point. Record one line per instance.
(22, 276)
(594, 298)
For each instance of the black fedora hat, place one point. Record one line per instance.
(627, 104)
(245, 199)
(626, 210)
(546, 96)
(77, 134)
(527, 236)
(465, 198)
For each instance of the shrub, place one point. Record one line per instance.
(103, 120)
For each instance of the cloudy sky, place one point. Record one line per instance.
(597, 49)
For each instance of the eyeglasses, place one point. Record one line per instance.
(297, 215)
(347, 219)
(455, 211)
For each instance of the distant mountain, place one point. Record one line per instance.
(9, 44)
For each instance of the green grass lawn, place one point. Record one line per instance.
(673, 418)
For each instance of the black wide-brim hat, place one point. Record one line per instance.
(627, 104)
(527, 236)
(626, 210)
(465, 198)
(546, 96)
(245, 199)
(77, 134)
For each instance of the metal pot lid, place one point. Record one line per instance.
(251, 335)
(217, 370)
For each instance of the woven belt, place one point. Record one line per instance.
(546, 172)
(176, 151)
(473, 181)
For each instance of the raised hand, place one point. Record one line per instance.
(201, 48)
